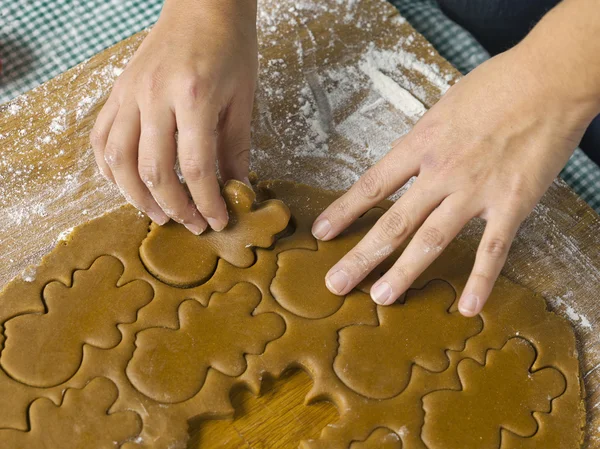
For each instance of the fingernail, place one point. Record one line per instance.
(337, 282)
(468, 305)
(216, 225)
(321, 228)
(158, 218)
(247, 182)
(381, 293)
(194, 228)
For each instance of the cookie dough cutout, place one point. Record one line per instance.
(81, 421)
(170, 365)
(312, 345)
(502, 395)
(179, 258)
(305, 203)
(299, 284)
(376, 361)
(45, 350)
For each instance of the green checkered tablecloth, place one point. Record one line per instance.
(40, 39)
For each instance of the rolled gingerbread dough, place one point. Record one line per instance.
(129, 331)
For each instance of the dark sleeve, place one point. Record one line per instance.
(497, 24)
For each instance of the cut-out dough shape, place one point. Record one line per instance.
(419, 331)
(503, 394)
(81, 421)
(299, 285)
(45, 350)
(181, 259)
(381, 438)
(170, 365)
(313, 344)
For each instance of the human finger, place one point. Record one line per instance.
(390, 231)
(156, 166)
(234, 142)
(438, 230)
(99, 135)
(197, 158)
(491, 256)
(376, 184)
(121, 155)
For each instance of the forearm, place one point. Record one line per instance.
(565, 50)
(247, 7)
(242, 13)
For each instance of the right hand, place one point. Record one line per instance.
(195, 73)
(489, 148)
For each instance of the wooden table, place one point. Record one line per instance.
(329, 79)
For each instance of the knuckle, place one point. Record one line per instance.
(243, 157)
(244, 153)
(452, 210)
(150, 173)
(343, 208)
(370, 185)
(114, 155)
(400, 273)
(482, 277)
(195, 171)
(153, 82)
(475, 177)
(427, 135)
(241, 151)
(495, 248)
(359, 261)
(193, 86)
(97, 138)
(441, 163)
(395, 224)
(433, 238)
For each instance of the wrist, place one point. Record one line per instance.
(195, 6)
(199, 13)
(565, 61)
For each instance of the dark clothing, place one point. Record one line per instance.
(499, 25)
(591, 141)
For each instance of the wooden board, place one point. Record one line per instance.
(277, 418)
(320, 118)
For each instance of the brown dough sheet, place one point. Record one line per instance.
(130, 331)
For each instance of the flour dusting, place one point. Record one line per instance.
(28, 274)
(398, 96)
(577, 318)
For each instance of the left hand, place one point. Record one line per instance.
(195, 74)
